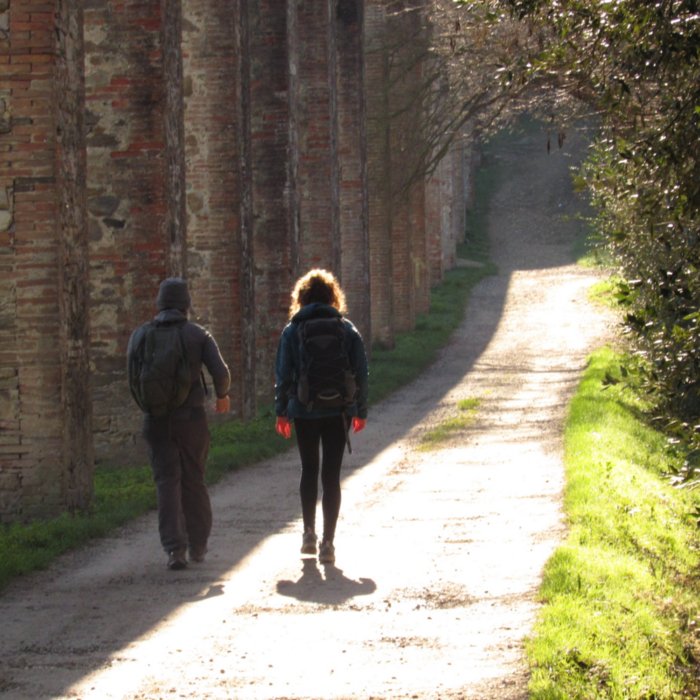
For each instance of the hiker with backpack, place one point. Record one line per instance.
(165, 358)
(320, 387)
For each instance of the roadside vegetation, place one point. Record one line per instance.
(463, 417)
(621, 611)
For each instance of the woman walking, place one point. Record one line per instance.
(320, 385)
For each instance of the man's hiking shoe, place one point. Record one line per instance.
(198, 554)
(308, 542)
(326, 554)
(177, 560)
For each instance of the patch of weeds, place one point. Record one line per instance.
(605, 293)
(466, 415)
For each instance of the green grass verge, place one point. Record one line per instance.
(621, 601)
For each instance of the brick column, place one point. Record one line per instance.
(45, 444)
(213, 135)
(268, 245)
(73, 260)
(406, 146)
(436, 194)
(379, 173)
(419, 249)
(352, 157)
(130, 224)
(174, 225)
(313, 121)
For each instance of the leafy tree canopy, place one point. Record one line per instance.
(635, 62)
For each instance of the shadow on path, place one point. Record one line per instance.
(328, 588)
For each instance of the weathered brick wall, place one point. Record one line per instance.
(77, 453)
(237, 144)
(43, 383)
(268, 235)
(379, 172)
(312, 105)
(126, 197)
(352, 162)
(213, 135)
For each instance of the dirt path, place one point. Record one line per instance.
(439, 553)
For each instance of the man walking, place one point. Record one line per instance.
(178, 438)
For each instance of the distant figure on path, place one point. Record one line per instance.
(320, 385)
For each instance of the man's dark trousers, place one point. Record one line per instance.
(178, 448)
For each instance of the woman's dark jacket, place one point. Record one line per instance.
(288, 364)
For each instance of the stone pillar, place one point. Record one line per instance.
(268, 241)
(73, 259)
(313, 121)
(352, 156)
(45, 425)
(213, 153)
(379, 175)
(130, 193)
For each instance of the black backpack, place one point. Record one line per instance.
(158, 367)
(325, 378)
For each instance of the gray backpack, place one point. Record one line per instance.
(158, 367)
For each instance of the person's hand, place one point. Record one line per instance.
(284, 427)
(358, 424)
(223, 405)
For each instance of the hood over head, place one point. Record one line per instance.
(173, 294)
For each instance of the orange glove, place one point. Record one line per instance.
(284, 427)
(223, 405)
(358, 424)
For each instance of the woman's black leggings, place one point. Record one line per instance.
(327, 433)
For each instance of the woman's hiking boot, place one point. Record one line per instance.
(308, 542)
(326, 554)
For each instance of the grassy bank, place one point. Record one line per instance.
(621, 594)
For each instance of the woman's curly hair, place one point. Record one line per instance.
(320, 286)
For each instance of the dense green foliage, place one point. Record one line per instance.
(621, 598)
(636, 62)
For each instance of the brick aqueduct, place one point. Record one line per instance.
(234, 142)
